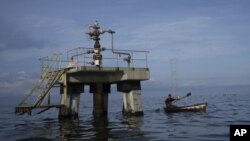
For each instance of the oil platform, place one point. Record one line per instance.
(95, 67)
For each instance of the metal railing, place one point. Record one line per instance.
(82, 56)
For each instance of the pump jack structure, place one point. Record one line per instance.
(84, 67)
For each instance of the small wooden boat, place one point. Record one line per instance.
(201, 107)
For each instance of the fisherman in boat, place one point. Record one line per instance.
(169, 101)
(170, 108)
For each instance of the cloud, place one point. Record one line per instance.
(16, 83)
(35, 37)
(192, 38)
(201, 44)
(56, 29)
(17, 44)
(13, 38)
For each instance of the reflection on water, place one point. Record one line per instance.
(133, 123)
(69, 129)
(224, 108)
(100, 128)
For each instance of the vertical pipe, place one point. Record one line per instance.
(132, 59)
(117, 60)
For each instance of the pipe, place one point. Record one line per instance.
(128, 60)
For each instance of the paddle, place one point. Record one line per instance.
(188, 94)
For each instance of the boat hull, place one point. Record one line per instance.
(201, 107)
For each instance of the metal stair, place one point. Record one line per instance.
(49, 76)
(53, 77)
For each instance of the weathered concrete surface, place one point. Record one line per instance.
(106, 74)
(70, 98)
(132, 103)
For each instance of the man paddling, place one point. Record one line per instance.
(169, 101)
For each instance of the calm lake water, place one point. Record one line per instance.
(226, 105)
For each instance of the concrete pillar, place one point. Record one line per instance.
(132, 103)
(70, 99)
(100, 98)
(70, 107)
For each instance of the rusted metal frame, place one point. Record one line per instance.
(28, 109)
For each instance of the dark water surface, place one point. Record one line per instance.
(226, 105)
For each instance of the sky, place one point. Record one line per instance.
(209, 39)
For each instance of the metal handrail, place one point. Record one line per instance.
(82, 56)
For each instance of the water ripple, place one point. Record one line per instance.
(224, 108)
